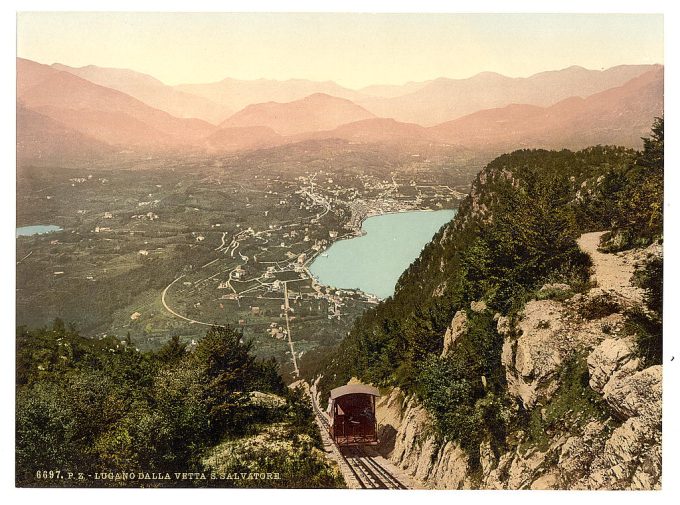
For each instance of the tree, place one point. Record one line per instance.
(639, 217)
(173, 351)
(227, 369)
(653, 153)
(45, 431)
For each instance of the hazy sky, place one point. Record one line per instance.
(354, 50)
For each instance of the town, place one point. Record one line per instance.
(151, 253)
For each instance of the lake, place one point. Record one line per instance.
(375, 261)
(37, 229)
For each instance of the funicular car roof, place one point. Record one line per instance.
(354, 389)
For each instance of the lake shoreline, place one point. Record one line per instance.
(36, 229)
(358, 231)
(390, 261)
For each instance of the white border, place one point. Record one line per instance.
(671, 484)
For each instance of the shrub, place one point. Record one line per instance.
(452, 390)
(554, 294)
(573, 404)
(647, 326)
(599, 306)
(648, 331)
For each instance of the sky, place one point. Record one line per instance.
(355, 50)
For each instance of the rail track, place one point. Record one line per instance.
(368, 472)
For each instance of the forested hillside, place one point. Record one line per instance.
(100, 413)
(513, 235)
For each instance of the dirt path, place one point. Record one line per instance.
(612, 271)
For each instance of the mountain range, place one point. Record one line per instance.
(446, 99)
(619, 115)
(102, 113)
(152, 92)
(65, 111)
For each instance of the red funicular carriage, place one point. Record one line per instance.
(351, 411)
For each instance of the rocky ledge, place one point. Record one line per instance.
(618, 450)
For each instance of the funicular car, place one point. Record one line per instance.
(351, 411)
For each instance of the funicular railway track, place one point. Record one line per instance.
(368, 472)
(372, 475)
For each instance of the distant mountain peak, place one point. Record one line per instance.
(315, 112)
(489, 75)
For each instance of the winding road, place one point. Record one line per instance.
(193, 321)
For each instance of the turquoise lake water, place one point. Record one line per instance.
(375, 261)
(38, 229)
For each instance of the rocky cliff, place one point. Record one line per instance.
(570, 362)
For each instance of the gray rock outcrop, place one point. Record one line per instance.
(457, 328)
(614, 445)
